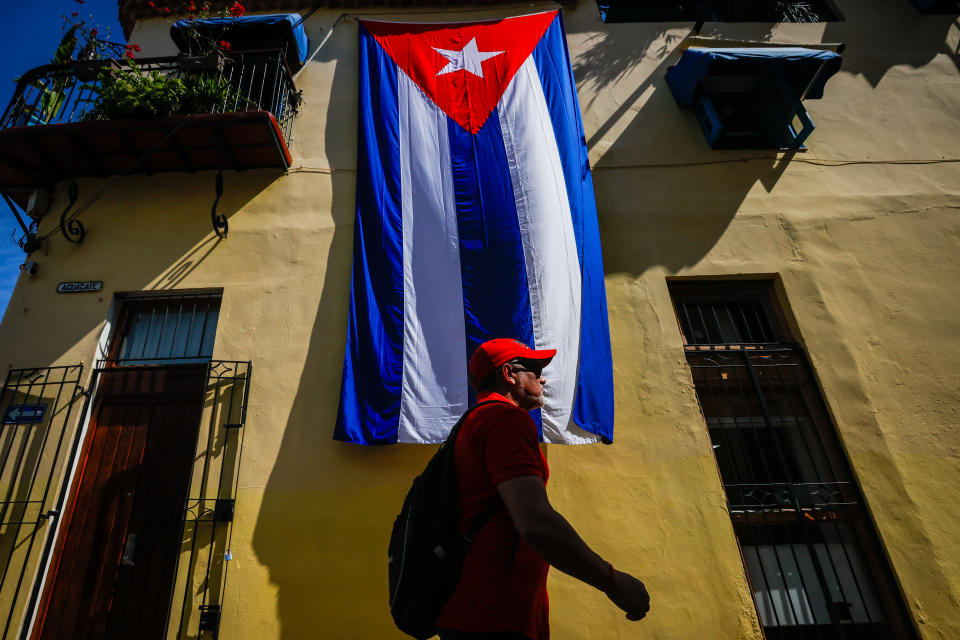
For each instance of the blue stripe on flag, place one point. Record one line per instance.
(373, 365)
(593, 403)
(496, 303)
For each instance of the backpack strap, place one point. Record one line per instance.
(483, 518)
(456, 428)
(481, 521)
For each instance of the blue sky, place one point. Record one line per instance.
(29, 33)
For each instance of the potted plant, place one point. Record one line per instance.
(133, 93)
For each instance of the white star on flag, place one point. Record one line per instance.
(468, 59)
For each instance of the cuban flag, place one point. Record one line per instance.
(475, 220)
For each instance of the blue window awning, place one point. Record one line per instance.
(806, 71)
(276, 31)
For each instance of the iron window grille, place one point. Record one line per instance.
(201, 574)
(809, 549)
(166, 330)
(35, 449)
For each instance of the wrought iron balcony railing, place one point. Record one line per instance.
(68, 93)
(83, 119)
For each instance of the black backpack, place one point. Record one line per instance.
(426, 549)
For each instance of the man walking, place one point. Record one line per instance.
(503, 590)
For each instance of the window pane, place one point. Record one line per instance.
(800, 573)
(168, 330)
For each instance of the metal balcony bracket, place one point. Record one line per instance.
(29, 242)
(220, 226)
(71, 228)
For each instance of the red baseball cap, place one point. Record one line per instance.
(495, 353)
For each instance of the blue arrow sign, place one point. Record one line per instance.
(24, 413)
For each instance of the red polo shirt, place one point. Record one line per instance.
(504, 583)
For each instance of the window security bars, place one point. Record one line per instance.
(790, 501)
(40, 408)
(811, 555)
(58, 94)
(166, 330)
(201, 572)
(727, 321)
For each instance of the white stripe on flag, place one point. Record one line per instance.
(549, 245)
(434, 392)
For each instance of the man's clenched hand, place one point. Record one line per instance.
(629, 594)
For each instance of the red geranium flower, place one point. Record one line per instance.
(225, 45)
(237, 10)
(136, 48)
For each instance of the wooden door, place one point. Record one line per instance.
(114, 566)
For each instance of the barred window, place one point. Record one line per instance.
(166, 329)
(810, 551)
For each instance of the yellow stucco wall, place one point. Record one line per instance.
(864, 245)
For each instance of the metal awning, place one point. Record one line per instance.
(806, 71)
(276, 31)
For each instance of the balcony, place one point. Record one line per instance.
(56, 128)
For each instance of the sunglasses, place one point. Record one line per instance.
(535, 368)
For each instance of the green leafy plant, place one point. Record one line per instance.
(53, 89)
(131, 93)
(210, 92)
(79, 44)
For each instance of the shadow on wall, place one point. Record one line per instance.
(327, 507)
(659, 168)
(658, 173)
(130, 243)
(898, 35)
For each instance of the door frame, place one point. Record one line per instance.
(81, 445)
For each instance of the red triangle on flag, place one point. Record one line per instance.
(466, 66)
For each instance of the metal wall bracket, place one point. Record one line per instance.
(72, 229)
(29, 242)
(220, 225)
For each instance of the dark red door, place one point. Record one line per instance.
(115, 562)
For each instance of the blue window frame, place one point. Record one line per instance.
(752, 97)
